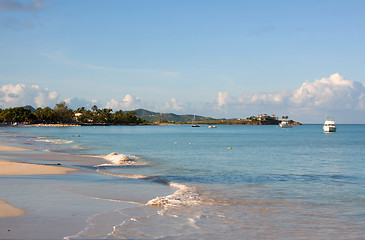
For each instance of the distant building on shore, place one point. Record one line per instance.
(265, 117)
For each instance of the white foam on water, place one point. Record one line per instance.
(184, 195)
(78, 147)
(120, 160)
(53, 141)
(92, 228)
(132, 176)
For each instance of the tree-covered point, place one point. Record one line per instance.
(62, 114)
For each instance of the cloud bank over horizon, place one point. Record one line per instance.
(21, 95)
(334, 95)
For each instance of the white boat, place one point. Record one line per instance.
(193, 123)
(329, 126)
(212, 126)
(285, 124)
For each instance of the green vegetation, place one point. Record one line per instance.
(61, 114)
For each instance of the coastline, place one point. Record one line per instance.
(10, 168)
(208, 122)
(13, 149)
(37, 195)
(8, 210)
(112, 200)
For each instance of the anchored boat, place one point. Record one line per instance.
(285, 124)
(329, 125)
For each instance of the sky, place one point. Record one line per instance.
(223, 59)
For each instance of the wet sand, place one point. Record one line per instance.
(8, 168)
(15, 168)
(51, 195)
(8, 210)
(12, 149)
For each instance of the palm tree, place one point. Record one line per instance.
(94, 108)
(62, 113)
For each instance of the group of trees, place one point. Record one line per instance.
(64, 115)
(106, 116)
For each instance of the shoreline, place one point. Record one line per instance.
(45, 196)
(224, 122)
(12, 149)
(8, 210)
(12, 168)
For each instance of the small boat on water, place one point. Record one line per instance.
(285, 124)
(193, 124)
(329, 125)
(212, 126)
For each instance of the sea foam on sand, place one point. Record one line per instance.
(120, 159)
(185, 195)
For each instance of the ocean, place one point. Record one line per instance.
(179, 182)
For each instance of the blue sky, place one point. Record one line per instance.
(214, 58)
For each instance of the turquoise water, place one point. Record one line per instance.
(246, 182)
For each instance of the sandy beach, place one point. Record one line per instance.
(42, 190)
(12, 149)
(8, 168)
(15, 168)
(8, 210)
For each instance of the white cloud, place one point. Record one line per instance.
(362, 101)
(334, 94)
(223, 98)
(113, 104)
(20, 95)
(75, 103)
(264, 98)
(129, 102)
(176, 105)
(172, 105)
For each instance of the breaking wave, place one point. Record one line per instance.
(120, 160)
(184, 195)
(53, 141)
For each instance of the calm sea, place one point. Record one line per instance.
(229, 182)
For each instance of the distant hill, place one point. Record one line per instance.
(262, 119)
(169, 117)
